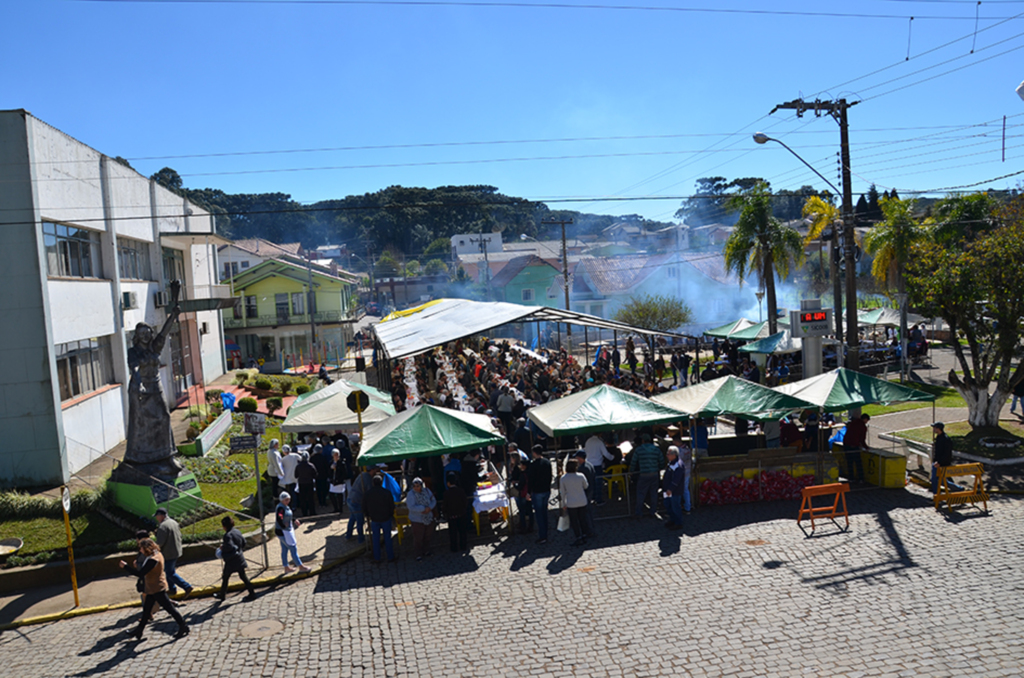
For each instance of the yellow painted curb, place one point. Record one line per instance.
(196, 593)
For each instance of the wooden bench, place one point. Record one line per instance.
(972, 496)
(838, 508)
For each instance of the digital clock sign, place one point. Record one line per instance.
(813, 316)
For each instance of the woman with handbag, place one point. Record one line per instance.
(154, 586)
(284, 528)
(572, 489)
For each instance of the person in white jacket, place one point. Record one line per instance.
(289, 461)
(274, 466)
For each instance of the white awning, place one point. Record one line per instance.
(439, 322)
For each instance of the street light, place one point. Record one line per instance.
(762, 138)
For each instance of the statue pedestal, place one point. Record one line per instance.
(144, 499)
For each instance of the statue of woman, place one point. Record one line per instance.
(150, 445)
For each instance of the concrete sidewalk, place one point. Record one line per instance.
(321, 543)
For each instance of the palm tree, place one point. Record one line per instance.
(891, 241)
(822, 214)
(761, 245)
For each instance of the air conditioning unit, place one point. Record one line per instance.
(204, 328)
(162, 299)
(129, 300)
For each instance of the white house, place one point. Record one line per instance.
(88, 247)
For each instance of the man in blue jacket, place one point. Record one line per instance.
(648, 460)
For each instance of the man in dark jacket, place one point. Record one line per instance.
(539, 478)
(942, 456)
(379, 506)
(305, 476)
(321, 459)
(232, 550)
(673, 484)
(455, 503)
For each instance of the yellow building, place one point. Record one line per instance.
(286, 311)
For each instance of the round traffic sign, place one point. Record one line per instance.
(65, 498)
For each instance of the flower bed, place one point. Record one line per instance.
(218, 470)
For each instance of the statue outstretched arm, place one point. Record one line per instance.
(161, 337)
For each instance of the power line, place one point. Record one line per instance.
(558, 6)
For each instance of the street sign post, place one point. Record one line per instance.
(358, 401)
(65, 501)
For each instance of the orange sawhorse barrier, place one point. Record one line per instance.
(971, 496)
(838, 507)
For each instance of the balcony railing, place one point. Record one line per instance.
(277, 321)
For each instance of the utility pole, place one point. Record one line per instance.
(837, 109)
(565, 270)
(482, 244)
(310, 301)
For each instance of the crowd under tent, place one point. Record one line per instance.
(435, 323)
(327, 409)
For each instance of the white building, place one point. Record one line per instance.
(476, 243)
(88, 247)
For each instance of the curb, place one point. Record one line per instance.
(197, 593)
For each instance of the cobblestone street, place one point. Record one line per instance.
(741, 592)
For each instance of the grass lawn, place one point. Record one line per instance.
(945, 397)
(965, 439)
(47, 534)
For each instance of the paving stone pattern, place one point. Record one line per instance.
(740, 592)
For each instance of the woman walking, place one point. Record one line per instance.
(572, 488)
(284, 528)
(155, 588)
(232, 550)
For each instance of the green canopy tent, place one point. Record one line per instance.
(780, 342)
(602, 408)
(843, 389)
(728, 328)
(886, 317)
(734, 396)
(426, 431)
(326, 409)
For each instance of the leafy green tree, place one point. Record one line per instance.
(435, 267)
(823, 214)
(978, 290)
(440, 248)
(710, 204)
(891, 242)
(168, 178)
(412, 269)
(761, 245)
(958, 218)
(387, 266)
(654, 312)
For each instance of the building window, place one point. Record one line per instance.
(597, 309)
(133, 259)
(250, 307)
(245, 265)
(174, 266)
(673, 272)
(83, 366)
(527, 295)
(230, 269)
(71, 252)
(298, 303)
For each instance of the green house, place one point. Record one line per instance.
(279, 306)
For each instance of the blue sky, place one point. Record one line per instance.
(543, 89)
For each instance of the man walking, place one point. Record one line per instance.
(673, 483)
(168, 538)
(648, 460)
(538, 477)
(380, 507)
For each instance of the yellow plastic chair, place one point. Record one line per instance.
(616, 475)
(476, 517)
(401, 520)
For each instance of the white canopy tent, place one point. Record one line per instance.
(444, 320)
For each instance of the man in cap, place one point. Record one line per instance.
(168, 538)
(673, 484)
(538, 475)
